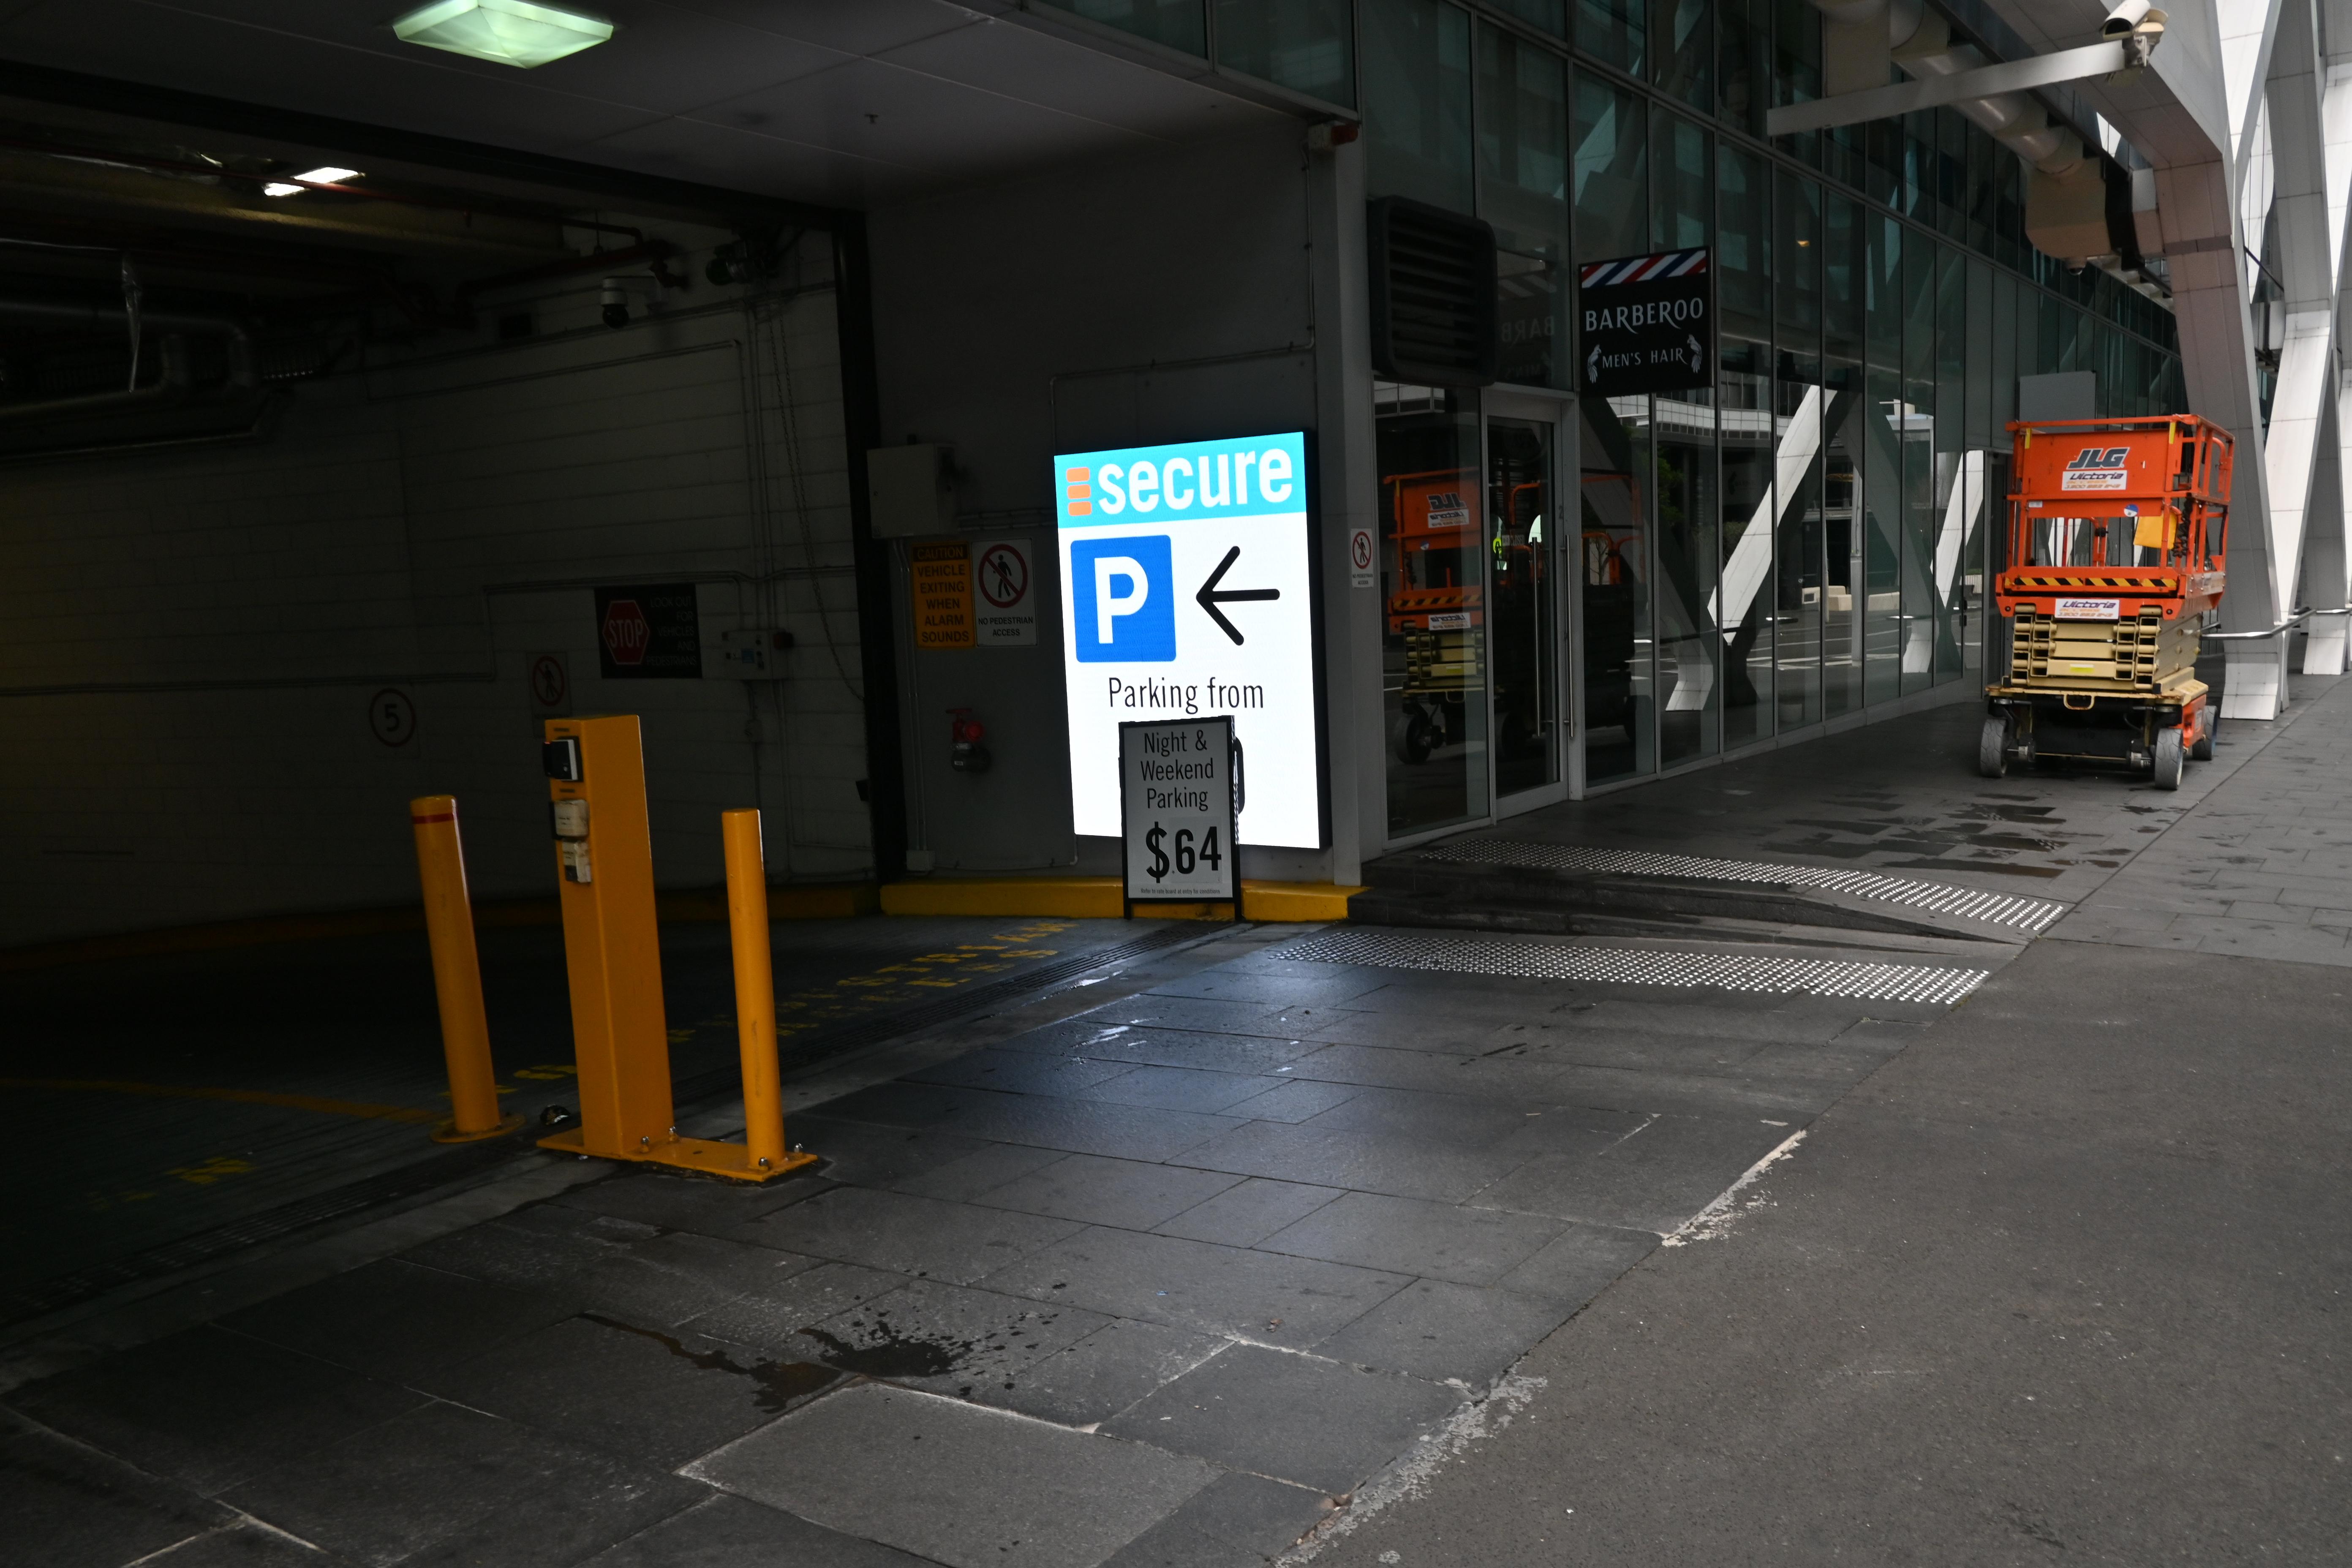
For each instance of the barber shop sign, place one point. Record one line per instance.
(1646, 323)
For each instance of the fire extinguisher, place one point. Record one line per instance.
(966, 754)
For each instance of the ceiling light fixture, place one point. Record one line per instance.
(327, 176)
(509, 32)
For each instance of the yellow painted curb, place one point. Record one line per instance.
(1296, 901)
(1097, 898)
(1082, 897)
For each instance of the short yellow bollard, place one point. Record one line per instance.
(755, 993)
(457, 975)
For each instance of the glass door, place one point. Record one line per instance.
(1527, 655)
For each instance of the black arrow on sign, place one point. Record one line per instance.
(1208, 598)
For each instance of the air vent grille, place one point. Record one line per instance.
(1433, 296)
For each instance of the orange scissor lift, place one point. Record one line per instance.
(2118, 529)
(1438, 607)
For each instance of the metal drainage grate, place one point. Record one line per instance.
(1625, 967)
(1996, 909)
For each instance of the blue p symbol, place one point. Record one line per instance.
(1124, 595)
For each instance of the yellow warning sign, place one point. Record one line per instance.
(942, 593)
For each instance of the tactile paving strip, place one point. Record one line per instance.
(1627, 966)
(1995, 908)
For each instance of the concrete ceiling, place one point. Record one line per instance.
(852, 103)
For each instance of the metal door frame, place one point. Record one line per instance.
(1557, 409)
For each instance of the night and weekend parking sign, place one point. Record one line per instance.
(1185, 594)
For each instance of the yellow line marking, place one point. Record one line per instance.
(211, 1171)
(359, 1108)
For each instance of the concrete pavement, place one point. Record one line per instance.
(1927, 1245)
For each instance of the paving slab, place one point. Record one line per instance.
(1580, 1262)
(1019, 1072)
(666, 1279)
(1298, 1418)
(1409, 1236)
(1652, 1180)
(729, 1532)
(1236, 1521)
(1181, 1088)
(875, 1155)
(396, 1320)
(641, 1394)
(206, 1408)
(67, 1503)
(443, 1484)
(1226, 1291)
(926, 1238)
(685, 1203)
(1078, 1126)
(245, 1546)
(1367, 1162)
(1103, 1374)
(540, 1248)
(772, 1319)
(1440, 1332)
(949, 1339)
(965, 1486)
(1133, 1194)
(985, 1169)
(1195, 1048)
(1248, 1211)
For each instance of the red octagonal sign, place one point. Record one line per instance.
(627, 633)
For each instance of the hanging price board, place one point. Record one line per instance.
(1180, 796)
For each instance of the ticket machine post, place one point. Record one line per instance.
(612, 953)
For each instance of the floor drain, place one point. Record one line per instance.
(1630, 967)
(1970, 903)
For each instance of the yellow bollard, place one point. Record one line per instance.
(755, 993)
(457, 975)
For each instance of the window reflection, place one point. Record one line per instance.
(1432, 589)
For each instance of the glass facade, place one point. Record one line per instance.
(1808, 536)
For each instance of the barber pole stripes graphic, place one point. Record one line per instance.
(1643, 269)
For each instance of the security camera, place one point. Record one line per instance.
(2137, 24)
(614, 298)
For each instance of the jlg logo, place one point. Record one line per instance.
(2096, 457)
(2096, 469)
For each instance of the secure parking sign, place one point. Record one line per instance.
(1186, 594)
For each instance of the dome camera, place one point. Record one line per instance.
(614, 298)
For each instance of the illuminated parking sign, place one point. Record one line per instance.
(1186, 592)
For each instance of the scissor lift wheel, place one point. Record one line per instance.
(2169, 755)
(1992, 747)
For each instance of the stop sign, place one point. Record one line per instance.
(627, 633)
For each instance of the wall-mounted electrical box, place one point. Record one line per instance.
(751, 653)
(911, 489)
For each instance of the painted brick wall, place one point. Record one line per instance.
(190, 641)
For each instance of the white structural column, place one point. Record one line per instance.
(2325, 584)
(2304, 258)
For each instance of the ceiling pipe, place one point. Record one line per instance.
(170, 389)
(2066, 212)
(110, 318)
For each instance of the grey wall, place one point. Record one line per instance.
(190, 641)
(1164, 298)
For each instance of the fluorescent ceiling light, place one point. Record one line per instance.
(328, 176)
(511, 32)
